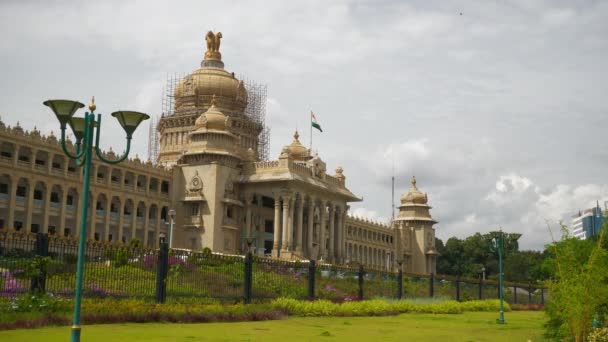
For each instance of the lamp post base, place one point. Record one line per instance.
(75, 335)
(501, 318)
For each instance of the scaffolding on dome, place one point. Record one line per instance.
(168, 100)
(167, 109)
(256, 110)
(153, 140)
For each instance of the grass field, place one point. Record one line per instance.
(470, 326)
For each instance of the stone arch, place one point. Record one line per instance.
(101, 203)
(141, 210)
(164, 212)
(128, 208)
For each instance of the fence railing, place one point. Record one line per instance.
(39, 262)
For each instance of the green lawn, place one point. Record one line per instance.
(470, 326)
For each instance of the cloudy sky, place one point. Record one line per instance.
(498, 108)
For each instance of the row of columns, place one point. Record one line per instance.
(92, 219)
(369, 256)
(292, 237)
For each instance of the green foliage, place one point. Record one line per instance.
(469, 256)
(579, 288)
(598, 335)
(35, 303)
(378, 307)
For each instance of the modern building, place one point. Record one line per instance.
(224, 196)
(587, 223)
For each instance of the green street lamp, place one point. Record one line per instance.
(497, 243)
(84, 130)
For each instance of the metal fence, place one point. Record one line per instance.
(38, 262)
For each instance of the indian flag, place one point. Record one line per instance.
(313, 121)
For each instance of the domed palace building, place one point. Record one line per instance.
(225, 198)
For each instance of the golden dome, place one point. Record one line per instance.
(211, 79)
(296, 150)
(212, 118)
(414, 196)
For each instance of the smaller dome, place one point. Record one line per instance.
(414, 195)
(212, 118)
(296, 150)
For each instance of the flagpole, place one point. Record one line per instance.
(311, 132)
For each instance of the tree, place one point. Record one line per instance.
(579, 285)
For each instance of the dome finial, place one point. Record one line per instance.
(296, 135)
(213, 45)
(92, 106)
(213, 101)
(414, 182)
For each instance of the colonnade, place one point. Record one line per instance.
(307, 227)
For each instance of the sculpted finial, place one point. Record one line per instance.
(92, 106)
(414, 182)
(213, 101)
(296, 135)
(213, 45)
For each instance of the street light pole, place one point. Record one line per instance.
(498, 244)
(171, 223)
(84, 130)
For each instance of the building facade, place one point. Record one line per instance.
(587, 223)
(40, 191)
(225, 198)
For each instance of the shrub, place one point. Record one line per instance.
(379, 307)
(36, 303)
(598, 335)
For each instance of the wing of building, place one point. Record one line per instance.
(225, 198)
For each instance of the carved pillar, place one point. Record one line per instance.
(49, 162)
(276, 225)
(146, 222)
(261, 223)
(106, 219)
(332, 233)
(12, 191)
(30, 206)
(311, 218)
(134, 218)
(299, 225)
(292, 206)
(339, 237)
(284, 243)
(121, 219)
(157, 232)
(322, 243)
(64, 198)
(33, 161)
(47, 208)
(248, 199)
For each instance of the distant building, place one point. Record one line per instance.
(587, 223)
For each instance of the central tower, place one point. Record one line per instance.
(193, 95)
